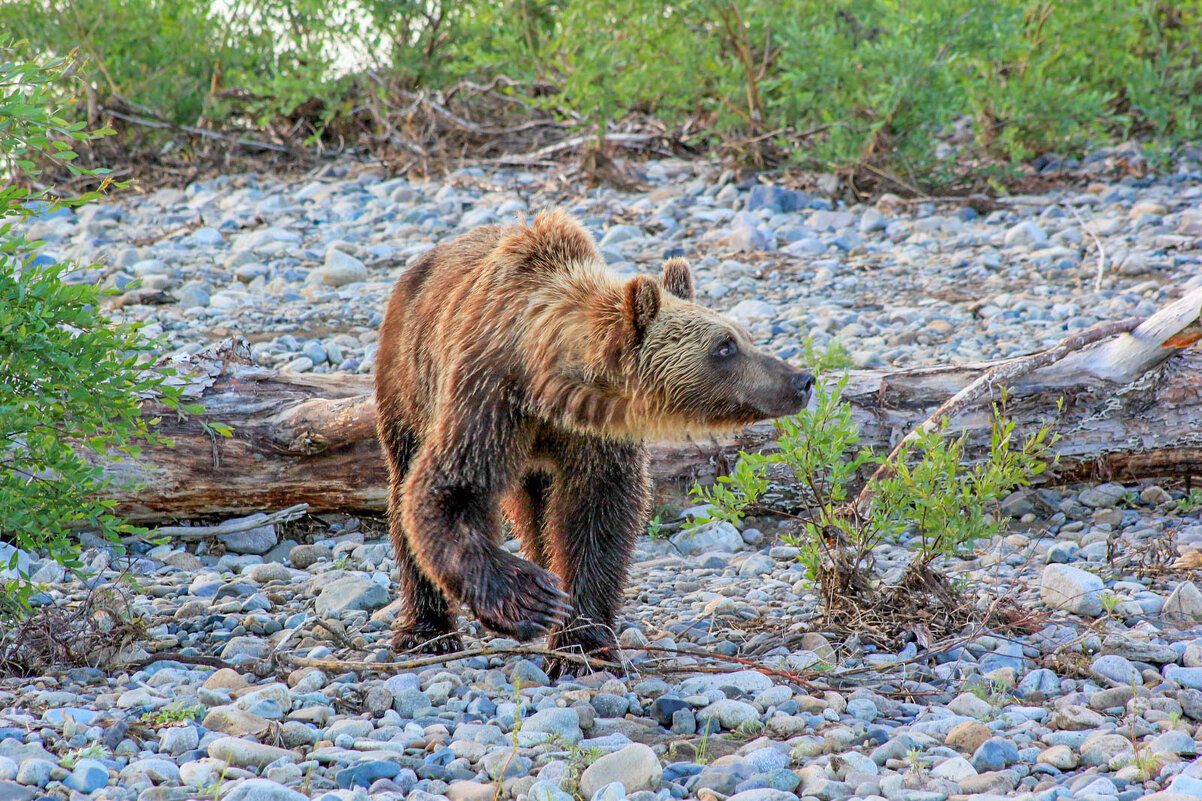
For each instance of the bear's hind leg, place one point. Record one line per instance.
(598, 506)
(426, 623)
(526, 507)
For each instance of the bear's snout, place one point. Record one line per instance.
(803, 384)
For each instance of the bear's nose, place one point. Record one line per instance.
(803, 383)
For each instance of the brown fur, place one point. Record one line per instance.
(515, 371)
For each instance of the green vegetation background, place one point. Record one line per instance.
(922, 88)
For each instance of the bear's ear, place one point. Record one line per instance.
(678, 278)
(640, 304)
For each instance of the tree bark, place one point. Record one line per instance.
(1127, 407)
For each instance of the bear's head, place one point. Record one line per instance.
(692, 369)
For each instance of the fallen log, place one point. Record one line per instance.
(1128, 407)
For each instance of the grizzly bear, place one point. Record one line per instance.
(516, 373)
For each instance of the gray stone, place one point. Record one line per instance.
(609, 705)
(557, 722)
(529, 674)
(15, 792)
(635, 766)
(1190, 677)
(35, 772)
(763, 794)
(1175, 742)
(350, 593)
(1139, 650)
(255, 647)
(1184, 604)
(1103, 496)
(247, 753)
(1026, 233)
(747, 681)
(505, 764)
(262, 790)
(730, 714)
(88, 776)
(757, 565)
(409, 702)
(259, 539)
(748, 311)
(303, 556)
(1071, 589)
(994, 754)
(1112, 668)
(175, 740)
(1076, 718)
(619, 234)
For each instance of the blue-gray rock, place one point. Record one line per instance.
(723, 778)
(362, 774)
(259, 539)
(609, 705)
(994, 754)
(15, 792)
(409, 702)
(88, 776)
(546, 791)
(529, 674)
(767, 760)
(1041, 680)
(1190, 677)
(1114, 668)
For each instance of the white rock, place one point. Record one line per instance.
(970, 706)
(954, 769)
(342, 268)
(635, 766)
(718, 536)
(746, 311)
(731, 714)
(1026, 233)
(748, 681)
(262, 790)
(1071, 589)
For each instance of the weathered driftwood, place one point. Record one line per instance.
(1123, 408)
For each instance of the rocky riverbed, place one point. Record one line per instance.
(1101, 700)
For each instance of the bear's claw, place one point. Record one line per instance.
(520, 600)
(426, 640)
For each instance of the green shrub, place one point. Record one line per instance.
(930, 498)
(70, 380)
(918, 88)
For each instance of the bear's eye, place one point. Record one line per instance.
(725, 349)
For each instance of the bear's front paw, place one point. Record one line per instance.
(519, 599)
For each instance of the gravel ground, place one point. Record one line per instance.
(1102, 702)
